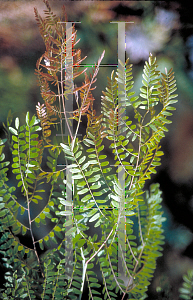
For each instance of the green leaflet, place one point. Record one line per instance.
(13, 131)
(83, 191)
(65, 148)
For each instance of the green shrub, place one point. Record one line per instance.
(87, 190)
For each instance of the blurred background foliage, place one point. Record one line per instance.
(163, 28)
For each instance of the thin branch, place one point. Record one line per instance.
(62, 89)
(140, 229)
(85, 97)
(90, 291)
(115, 277)
(103, 244)
(131, 249)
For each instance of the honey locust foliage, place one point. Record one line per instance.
(87, 190)
(186, 291)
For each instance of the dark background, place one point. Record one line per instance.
(162, 28)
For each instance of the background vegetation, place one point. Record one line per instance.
(159, 27)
